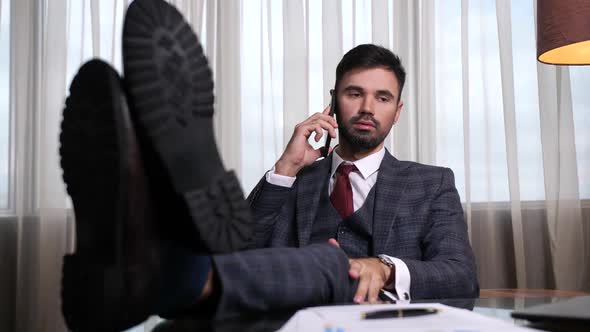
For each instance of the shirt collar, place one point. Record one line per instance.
(366, 166)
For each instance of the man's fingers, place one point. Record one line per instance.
(321, 116)
(355, 269)
(306, 129)
(323, 125)
(318, 133)
(327, 109)
(373, 293)
(316, 126)
(361, 291)
(327, 125)
(334, 243)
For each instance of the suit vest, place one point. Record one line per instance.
(353, 233)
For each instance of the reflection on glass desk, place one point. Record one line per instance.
(494, 303)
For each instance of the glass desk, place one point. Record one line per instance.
(494, 303)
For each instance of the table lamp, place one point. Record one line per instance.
(563, 32)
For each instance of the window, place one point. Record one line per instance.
(4, 103)
(485, 132)
(580, 78)
(487, 139)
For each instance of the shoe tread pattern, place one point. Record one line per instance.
(224, 219)
(170, 87)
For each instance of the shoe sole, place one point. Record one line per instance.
(97, 150)
(90, 151)
(170, 88)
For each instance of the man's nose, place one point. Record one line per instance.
(368, 105)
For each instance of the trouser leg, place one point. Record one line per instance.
(282, 278)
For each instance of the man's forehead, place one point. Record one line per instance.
(378, 78)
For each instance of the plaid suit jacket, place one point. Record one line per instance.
(418, 218)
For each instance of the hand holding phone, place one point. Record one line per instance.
(333, 104)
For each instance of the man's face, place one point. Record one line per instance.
(369, 105)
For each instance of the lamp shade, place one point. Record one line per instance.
(563, 32)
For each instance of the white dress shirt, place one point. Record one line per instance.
(361, 181)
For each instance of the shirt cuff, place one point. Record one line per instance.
(279, 180)
(401, 287)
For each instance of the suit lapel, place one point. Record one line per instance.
(309, 190)
(391, 183)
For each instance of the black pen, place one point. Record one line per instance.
(398, 313)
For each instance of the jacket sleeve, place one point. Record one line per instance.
(447, 268)
(268, 204)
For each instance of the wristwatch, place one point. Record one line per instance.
(386, 260)
(389, 263)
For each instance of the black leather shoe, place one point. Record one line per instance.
(170, 89)
(108, 283)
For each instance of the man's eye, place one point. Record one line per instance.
(383, 99)
(354, 94)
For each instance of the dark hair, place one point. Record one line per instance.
(371, 56)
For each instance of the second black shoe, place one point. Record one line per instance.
(170, 88)
(111, 281)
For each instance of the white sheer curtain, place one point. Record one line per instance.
(514, 146)
(515, 132)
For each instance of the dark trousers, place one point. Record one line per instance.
(282, 278)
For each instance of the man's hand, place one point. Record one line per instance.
(299, 153)
(372, 275)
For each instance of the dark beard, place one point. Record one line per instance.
(360, 140)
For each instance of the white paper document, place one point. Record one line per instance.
(348, 318)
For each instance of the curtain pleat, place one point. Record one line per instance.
(266, 99)
(262, 81)
(295, 69)
(563, 209)
(425, 94)
(503, 17)
(83, 33)
(227, 67)
(404, 132)
(52, 196)
(466, 110)
(184, 7)
(381, 35)
(566, 229)
(199, 18)
(414, 134)
(489, 211)
(354, 23)
(23, 34)
(380, 22)
(114, 31)
(562, 198)
(274, 103)
(95, 21)
(211, 38)
(331, 43)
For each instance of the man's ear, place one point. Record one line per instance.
(400, 106)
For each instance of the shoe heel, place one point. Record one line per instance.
(95, 298)
(221, 215)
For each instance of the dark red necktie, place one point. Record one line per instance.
(341, 196)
